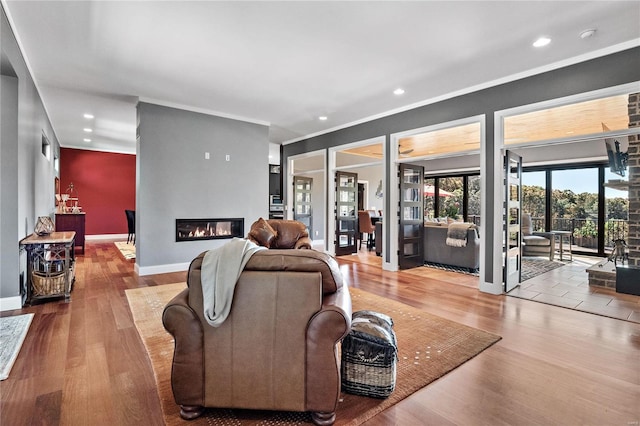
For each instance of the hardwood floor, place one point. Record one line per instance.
(83, 362)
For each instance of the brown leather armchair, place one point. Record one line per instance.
(280, 234)
(277, 349)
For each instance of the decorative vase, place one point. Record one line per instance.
(44, 226)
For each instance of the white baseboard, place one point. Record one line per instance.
(10, 303)
(160, 269)
(106, 237)
(491, 288)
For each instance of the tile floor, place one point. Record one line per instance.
(568, 286)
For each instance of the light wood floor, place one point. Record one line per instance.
(83, 363)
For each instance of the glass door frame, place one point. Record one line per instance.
(512, 220)
(306, 218)
(350, 219)
(411, 216)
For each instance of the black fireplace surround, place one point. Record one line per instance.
(209, 229)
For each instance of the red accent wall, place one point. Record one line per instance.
(106, 186)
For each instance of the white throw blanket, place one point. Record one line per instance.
(221, 268)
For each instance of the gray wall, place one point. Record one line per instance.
(608, 71)
(373, 175)
(28, 179)
(8, 187)
(175, 181)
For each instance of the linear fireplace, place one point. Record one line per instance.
(208, 229)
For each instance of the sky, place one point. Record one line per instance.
(581, 180)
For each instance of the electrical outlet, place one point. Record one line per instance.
(227, 157)
(207, 156)
(317, 232)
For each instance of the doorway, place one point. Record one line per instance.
(309, 202)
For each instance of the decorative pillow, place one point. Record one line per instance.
(262, 232)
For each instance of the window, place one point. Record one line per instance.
(473, 199)
(458, 197)
(574, 205)
(46, 147)
(429, 198)
(534, 198)
(451, 197)
(616, 210)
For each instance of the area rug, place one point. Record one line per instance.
(128, 250)
(450, 268)
(13, 331)
(533, 267)
(530, 267)
(428, 348)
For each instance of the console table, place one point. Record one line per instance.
(72, 222)
(50, 265)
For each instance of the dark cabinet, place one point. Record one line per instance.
(72, 222)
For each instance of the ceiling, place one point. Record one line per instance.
(287, 63)
(580, 119)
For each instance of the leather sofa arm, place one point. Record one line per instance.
(187, 371)
(325, 330)
(303, 243)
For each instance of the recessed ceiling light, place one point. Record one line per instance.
(88, 130)
(86, 140)
(542, 41)
(88, 116)
(398, 91)
(323, 118)
(588, 33)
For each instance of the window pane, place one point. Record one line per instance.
(346, 182)
(473, 199)
(533, 198)
(411, 176)
(616, 225)
(450, 197)
(429, 198)
(575, 205)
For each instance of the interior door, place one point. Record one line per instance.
(512, 220)
(346, 213)
(411, 229)
(302, 210)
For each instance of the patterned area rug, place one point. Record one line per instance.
(128, 250)
(532, 267)
(428, 348)
(450, 268)
(13, 330)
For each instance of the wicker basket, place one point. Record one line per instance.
(369, 356)
(44, 285)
